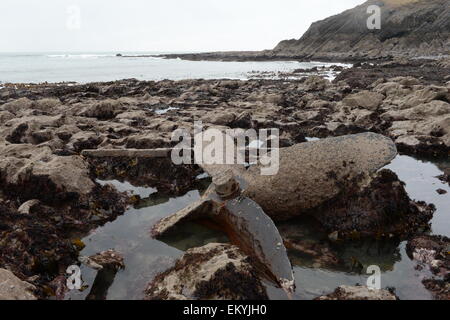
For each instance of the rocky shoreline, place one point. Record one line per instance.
(49, 196)
(408, 29)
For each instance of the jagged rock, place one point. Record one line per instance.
(209, 273)
(439, 288)
(358, 293)
(102, 110)
(12, 288)
(17, 106)
(84, 140)
(35, 171)
(33, 129)
(5, 116)
(364, 99)
(433, 252)
(315, 83)
(47, 104)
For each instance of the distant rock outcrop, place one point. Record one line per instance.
(409, 28)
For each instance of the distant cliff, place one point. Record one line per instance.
(408, 28)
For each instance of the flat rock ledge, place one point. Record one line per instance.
(12, 288)
(358, 293)
(210, 272)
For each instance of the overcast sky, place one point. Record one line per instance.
(157, 25)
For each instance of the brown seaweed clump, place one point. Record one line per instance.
(212, 272)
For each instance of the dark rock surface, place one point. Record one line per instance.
(433, 253)
(408, 28)
(358, 293)
(212, 272)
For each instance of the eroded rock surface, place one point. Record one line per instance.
(209, 273)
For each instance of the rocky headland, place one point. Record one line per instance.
(409, 28)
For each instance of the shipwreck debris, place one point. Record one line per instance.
(246, 225)
(108, 263)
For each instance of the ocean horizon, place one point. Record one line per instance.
(83, 67)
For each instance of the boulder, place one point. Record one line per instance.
(47, 104)
(315, 83)
(34, 171)
(17, 106)
(84, 140)
(432, 252)
(103, 110)
(12, 288)
(209, 273)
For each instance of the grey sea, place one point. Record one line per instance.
(106, 66)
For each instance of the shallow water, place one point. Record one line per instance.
(145, 257)
(93, 67)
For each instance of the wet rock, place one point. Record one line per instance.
(381, 207)
(358, 293)
(445, 178)
(439, 288)
(12, 288)
(441, 191)
(209, 273)
(34, 171)
(32, 129)
(432, 251)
